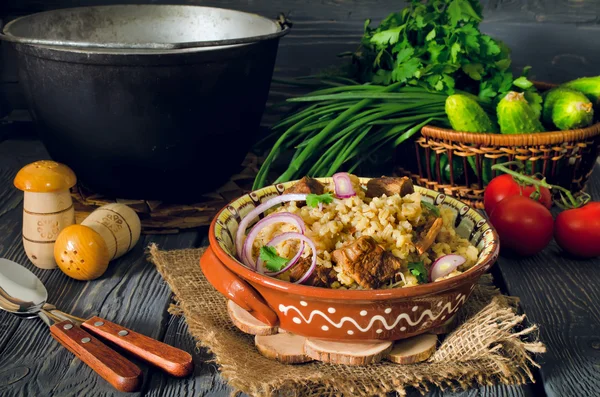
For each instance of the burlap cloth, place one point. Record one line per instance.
(490, 345)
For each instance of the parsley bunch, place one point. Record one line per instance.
(435, 44)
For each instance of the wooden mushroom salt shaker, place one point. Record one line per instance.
(84, 251)
(47, 208)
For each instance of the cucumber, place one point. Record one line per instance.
(515, 116)
(589, 86)
(466, 115)
(550, 98)
(567, 108)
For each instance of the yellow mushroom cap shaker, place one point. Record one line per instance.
(84, 251)
(47, 208)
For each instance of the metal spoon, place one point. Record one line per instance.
(22, 287)
(21, 292)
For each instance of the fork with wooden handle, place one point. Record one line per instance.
(175, 362)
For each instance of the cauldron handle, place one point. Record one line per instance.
(236, 289)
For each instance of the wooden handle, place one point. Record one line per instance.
(116, 369)
(236, 289)
(172, 360)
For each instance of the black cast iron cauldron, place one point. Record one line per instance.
(147, 101)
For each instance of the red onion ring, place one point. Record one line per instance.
(445, 265)
(279, 217)
(293, 235)
(241, 232)
(343, 185)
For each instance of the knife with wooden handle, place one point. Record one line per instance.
(116, 369)
(174, 361)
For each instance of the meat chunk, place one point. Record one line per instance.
(322, 276)
(306, 185)
(389, 186)
(427, 236)
(367, 262)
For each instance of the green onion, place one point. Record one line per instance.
(339, 127)
(406, 97)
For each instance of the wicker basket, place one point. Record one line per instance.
(565, 158)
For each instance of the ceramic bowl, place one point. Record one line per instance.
(387, 314)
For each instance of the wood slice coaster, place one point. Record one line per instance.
(285, 347)
(288, 348)
(354, 353)
(161, 218)
(413, 350)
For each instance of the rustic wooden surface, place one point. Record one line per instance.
(130, 293)
(556, 37)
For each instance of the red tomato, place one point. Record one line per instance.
(525, 226)
(504, 186)
(577, 231)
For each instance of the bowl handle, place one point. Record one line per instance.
(236, 289)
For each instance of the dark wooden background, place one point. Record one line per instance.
(559, 38)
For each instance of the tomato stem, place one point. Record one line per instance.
(567, 199)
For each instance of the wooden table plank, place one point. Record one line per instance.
(14, 155)
(134, 295)
(10, 238)
(206, 380)
(562, 295)
(11, 219)
(566, 311)
(131, 293)
(489, 391)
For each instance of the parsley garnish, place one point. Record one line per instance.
(313, 200)
(531, 94)
(273, 262)
(535, 101)
(418, 270)
(431, 207)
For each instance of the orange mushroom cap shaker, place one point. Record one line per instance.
(109, 232)
(47, 208)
